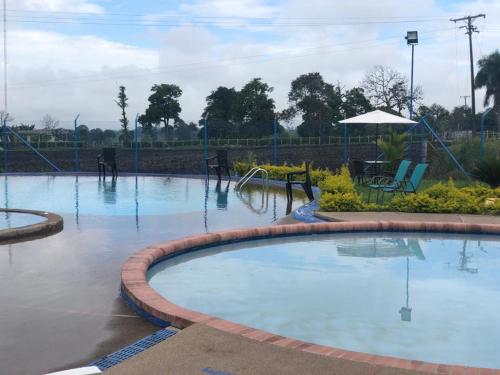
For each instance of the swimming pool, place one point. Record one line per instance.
(16, 219)
(428, 297)
(60, 297)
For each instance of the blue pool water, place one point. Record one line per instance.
(60, 302)
(432, 298)
(16, 219)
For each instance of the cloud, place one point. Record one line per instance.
(81, 72)
(56, 6)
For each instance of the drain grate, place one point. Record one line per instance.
(129, 351)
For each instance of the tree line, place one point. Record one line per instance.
(314, 108)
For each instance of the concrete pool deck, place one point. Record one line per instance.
(403, 216)
(200, 349)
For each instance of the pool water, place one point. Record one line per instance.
(431, 298)
(17, 219)
(60, 299)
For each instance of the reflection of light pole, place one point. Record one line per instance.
(405, 311)
(205, 143)
(411, 40)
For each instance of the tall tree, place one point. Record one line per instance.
(388, 89)
(439, 116)
(219, 108)
(164, 105)
(355, 103)
(318, 102)
(488, 76)
(49, 123)
(253, 109)
(122, 103)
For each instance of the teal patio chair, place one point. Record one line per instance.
(379, 183)
(412, 184)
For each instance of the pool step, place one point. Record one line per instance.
(127, 352)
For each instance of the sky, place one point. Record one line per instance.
(68, 57)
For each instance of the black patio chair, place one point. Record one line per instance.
(218, 162)
(107, 158)
(305, 183)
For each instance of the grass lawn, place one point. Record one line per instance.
(426, 183)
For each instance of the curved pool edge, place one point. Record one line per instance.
(52, 224)
(149, 304)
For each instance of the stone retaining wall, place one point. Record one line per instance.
(186, 160)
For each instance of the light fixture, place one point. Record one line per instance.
(412, 37)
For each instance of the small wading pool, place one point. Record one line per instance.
(429, 297)
(16, 219)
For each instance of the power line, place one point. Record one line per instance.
(222, 62)
(470, 29)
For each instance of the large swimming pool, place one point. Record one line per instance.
(60, 295)
(434, 297)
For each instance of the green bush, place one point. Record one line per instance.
(341, 202)
(488, 171)
(279, 172)
(447, 198)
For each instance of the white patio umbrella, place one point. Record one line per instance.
(378, 117)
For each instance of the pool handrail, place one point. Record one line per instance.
(252, 172)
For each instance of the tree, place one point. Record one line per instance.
(318, 102)
(439, 117)
(49, 123)
(185, 131)
(388, 89)
(488, 76)
(164, 105)
(355, 103)
(219, 108)
(122, 103)
(253, 109)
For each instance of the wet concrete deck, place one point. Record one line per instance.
(200, 349)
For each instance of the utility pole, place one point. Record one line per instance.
(469, 29)
(464, 97)
(5, 54)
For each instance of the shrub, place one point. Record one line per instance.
(488, 171)
(338, 183)
(341, 202)
(443, 198)
(279, 172)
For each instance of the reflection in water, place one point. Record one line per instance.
(465, 260)
(136, 195)
(247, 197)
(222, 194)
(77, 202)
(205, 206)
(387, 248)
(6, 201)
(109, 190)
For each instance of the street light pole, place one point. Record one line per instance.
(412, 40)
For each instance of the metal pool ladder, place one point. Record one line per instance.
(252, 172)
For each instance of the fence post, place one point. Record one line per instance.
(346, 147)
(275, 141)
(205, 144)
(75, 146)
(481, 143)
(5, 143)
(136, 145)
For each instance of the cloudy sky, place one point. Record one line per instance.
(69, 56)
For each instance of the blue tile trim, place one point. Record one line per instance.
(137, 347)
(142, 313)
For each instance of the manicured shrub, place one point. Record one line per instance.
(341, 202)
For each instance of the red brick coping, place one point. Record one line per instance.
(136, 288)
(52, 224)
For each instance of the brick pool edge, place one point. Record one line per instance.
(52, 224)
(148, 303)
